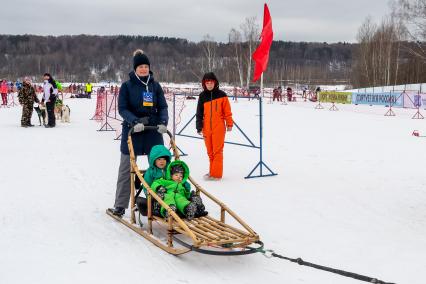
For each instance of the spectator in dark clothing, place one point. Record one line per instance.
(50, 92)
(277, 94)
(289, 94)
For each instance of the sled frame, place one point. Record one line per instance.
(202, 234)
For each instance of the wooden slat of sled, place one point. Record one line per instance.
(209, 235)
(219, 241)
(224, 231)
(227, 226)
(200, 226)
(200, 234)
(216, 230)
(212, 232)
(222, 238)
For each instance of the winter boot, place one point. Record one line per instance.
(201, 213)
(190, 210)
(201, 209)
(118, 211)
(173, 207)
(142, 205)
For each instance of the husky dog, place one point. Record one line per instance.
(58, 111)
(41, 112)
(65, 113)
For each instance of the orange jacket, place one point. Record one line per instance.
(213, 112)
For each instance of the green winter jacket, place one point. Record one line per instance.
(58, 85)
(176, 193)
(153, 173)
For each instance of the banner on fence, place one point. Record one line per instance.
(335, 97)
(414, 100)
(396, 99)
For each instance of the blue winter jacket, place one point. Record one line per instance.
(138, 102)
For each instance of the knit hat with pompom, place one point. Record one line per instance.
(140, 58)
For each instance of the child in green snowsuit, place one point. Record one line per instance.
(159, 160)
(172, 190)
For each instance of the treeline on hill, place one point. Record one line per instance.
(83, 58)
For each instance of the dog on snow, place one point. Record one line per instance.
(41, 112)
(58, 112)
(65, 113)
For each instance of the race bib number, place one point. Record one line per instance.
(147, 99)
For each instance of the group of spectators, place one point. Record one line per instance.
(7, 88)
(43, 103)
(86, 90)
(277, 94)
(249, 93)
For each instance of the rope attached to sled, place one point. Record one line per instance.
(270, 253)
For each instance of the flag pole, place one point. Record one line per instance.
(261, 56)
(261, 163)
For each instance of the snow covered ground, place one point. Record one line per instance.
(350, 194)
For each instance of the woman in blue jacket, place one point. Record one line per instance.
(141, 103)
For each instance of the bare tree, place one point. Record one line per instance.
(378, 57)
(412, 14)
(209, 48)
(235, 39)
(364, 37)
(251, 35)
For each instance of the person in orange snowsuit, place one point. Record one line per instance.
(213, 119)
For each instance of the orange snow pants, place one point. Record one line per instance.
(215, 141)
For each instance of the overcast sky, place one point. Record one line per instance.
(292, 20)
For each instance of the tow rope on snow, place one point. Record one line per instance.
(270, 253)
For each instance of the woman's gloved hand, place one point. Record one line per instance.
(139, 127)
(162, 128)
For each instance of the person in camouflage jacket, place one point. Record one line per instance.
(26, 98)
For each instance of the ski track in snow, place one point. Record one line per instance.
(350, 194)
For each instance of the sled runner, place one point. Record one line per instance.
(177, 235)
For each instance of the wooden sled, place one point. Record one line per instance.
(204, 234)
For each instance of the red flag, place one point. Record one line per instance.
(261, 54)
